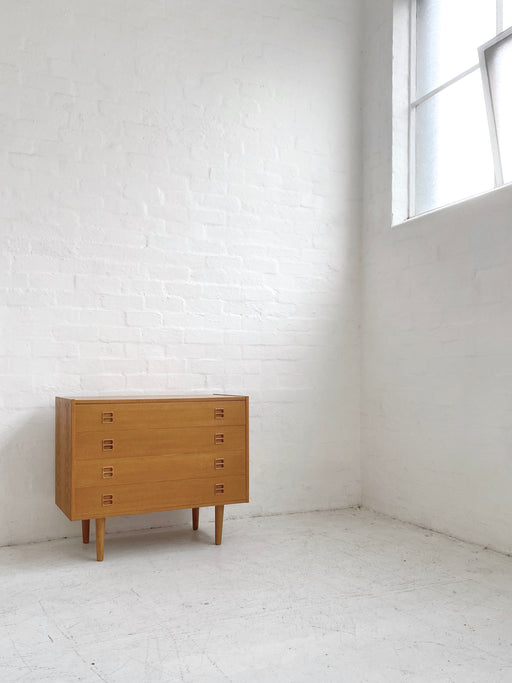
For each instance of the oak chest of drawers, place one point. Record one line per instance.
(127, 455)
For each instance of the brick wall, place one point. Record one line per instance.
(180, 195)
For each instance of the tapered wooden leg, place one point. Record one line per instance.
(86, 525)
(100, 538)
(195, 519)
(219, 518)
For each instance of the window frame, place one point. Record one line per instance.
(414, 102)
(489, 103)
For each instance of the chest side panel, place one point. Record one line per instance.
(63, 454)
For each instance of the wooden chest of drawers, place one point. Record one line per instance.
(126, 455)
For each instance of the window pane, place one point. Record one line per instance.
(499, 68)
(448, 33)
(507, 13)
(453, 155)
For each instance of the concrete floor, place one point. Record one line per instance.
(327, 596)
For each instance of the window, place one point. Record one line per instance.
(460, 109)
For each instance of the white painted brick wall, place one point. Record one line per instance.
(179, 204)
(437, 342)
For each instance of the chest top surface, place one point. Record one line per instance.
(153, 399)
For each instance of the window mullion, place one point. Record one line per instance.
(493, 133)
(489, 103)
(440, 88)
(412, 110)
(499, 16)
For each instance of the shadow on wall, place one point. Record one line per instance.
(27, 507)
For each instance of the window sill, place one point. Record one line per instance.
(486, 201)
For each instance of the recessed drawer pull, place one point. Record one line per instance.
(219, 439)
(219, 463)
(108, 444)
(219, 489)
(107, 499)
(108, 472)
(106, 418)
(219, 413)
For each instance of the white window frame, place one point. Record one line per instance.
(489, 105)
(414, 102)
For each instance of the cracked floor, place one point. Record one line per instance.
(325, 596)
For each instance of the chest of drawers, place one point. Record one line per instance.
(127, 455)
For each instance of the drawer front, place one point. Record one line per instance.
(102, 417)
(153, 468)
(127, 499)
(131, 443)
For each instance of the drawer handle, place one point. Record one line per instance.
(219, 463)
(219, 413)
(108, 444)
(219, 489)
(219, 439)
(108, 472)
(107, 418)
(107, 499)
